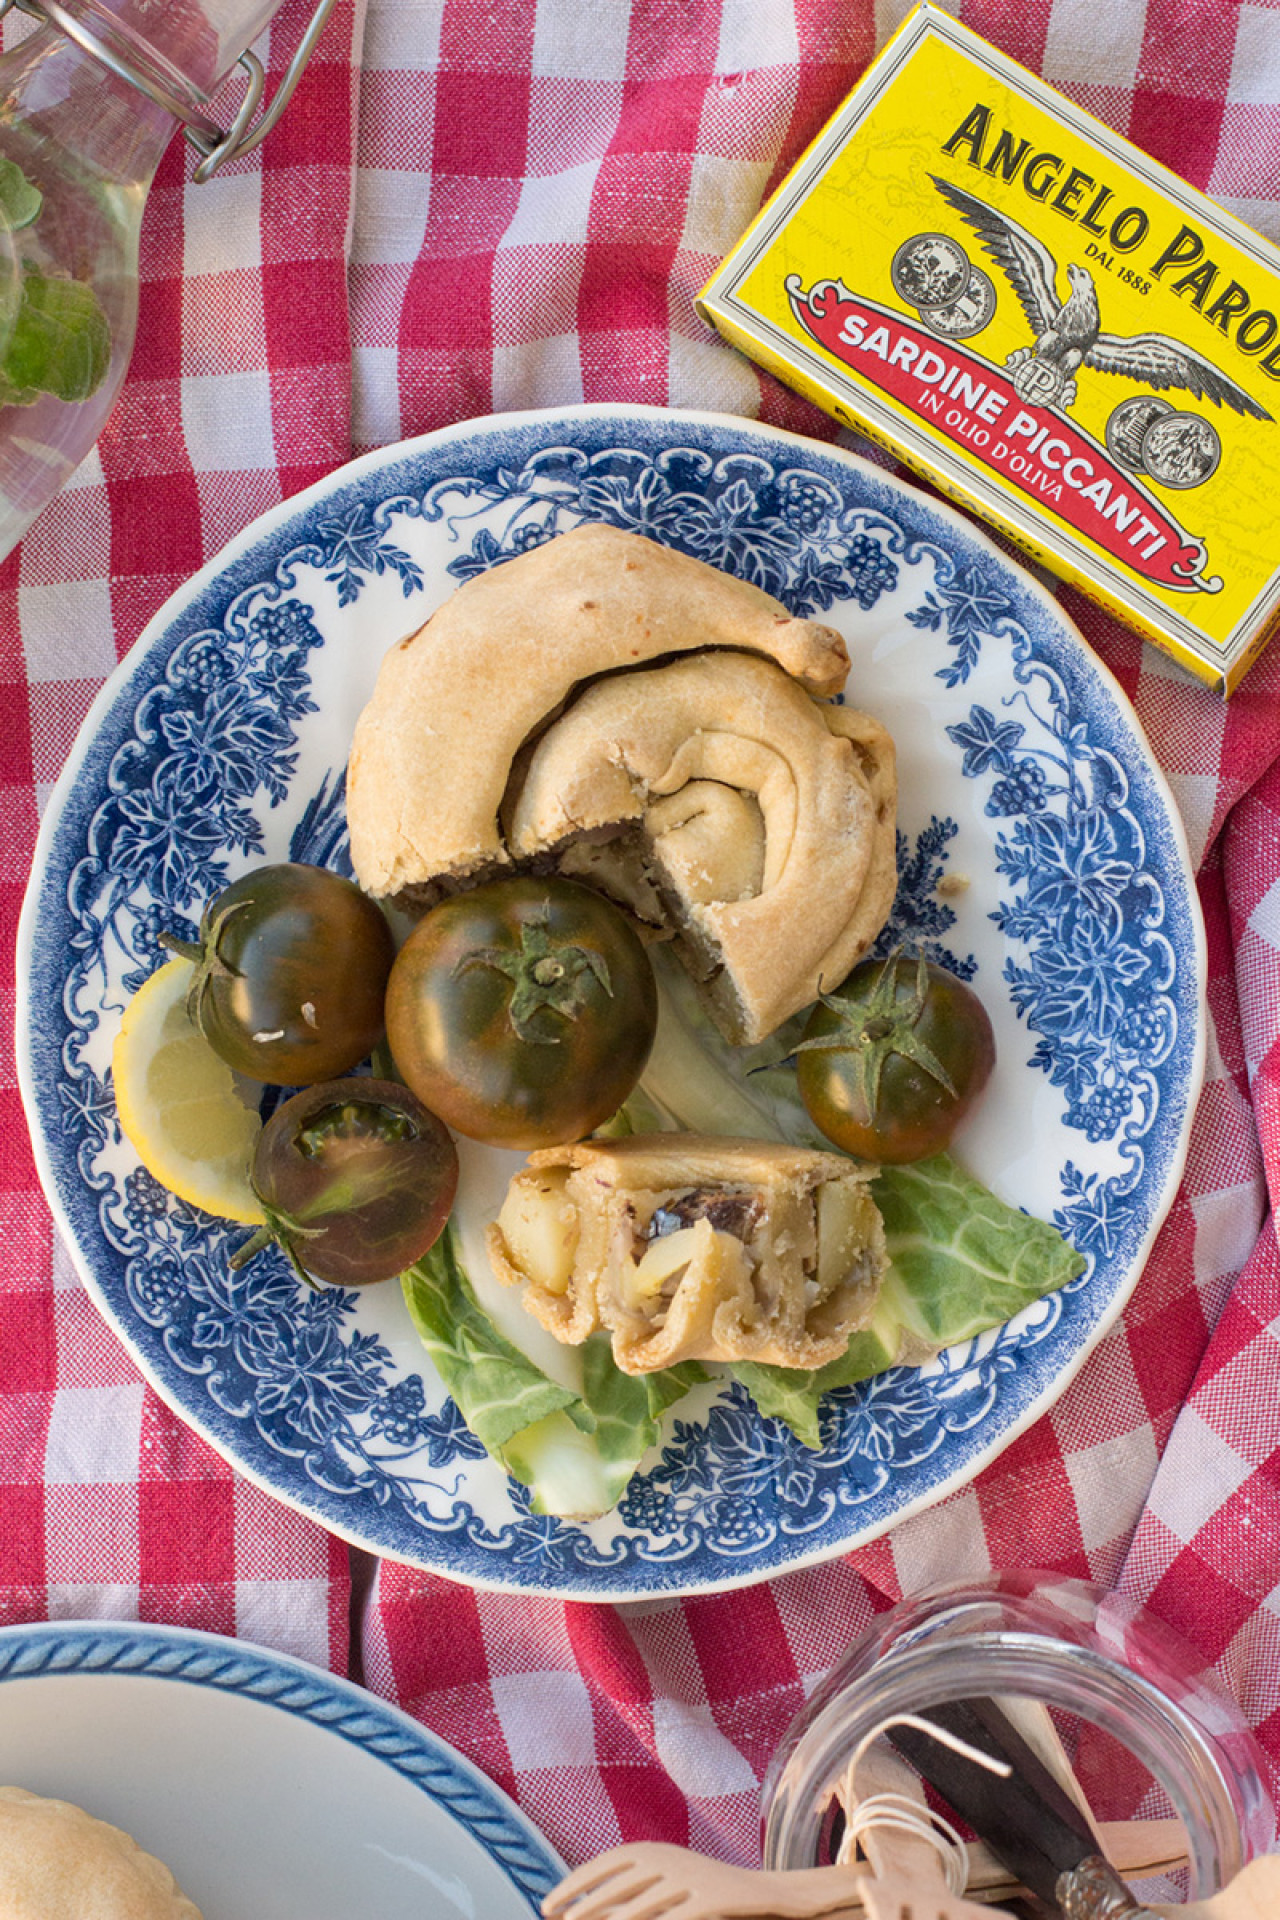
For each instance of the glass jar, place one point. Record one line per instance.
(88, 103)
(1093, 1658)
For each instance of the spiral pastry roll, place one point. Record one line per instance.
(456, 702)
(717, 799)
(692, 1247)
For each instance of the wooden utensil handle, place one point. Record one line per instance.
(1137, 1849)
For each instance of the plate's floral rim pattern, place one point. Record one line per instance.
(232, 1667)
(201, 741)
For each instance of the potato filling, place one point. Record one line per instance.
(539, 1223)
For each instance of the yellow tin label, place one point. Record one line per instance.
(1043, 318)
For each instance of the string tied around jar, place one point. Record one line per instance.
(897, 1813)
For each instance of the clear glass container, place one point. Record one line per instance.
(1107, 1672)
(78, 147)
(88, 103)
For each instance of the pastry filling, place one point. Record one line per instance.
(713, 1249)
(831, 1246)
(727, 1211)
(540, 1226)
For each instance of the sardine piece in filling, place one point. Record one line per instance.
(727, 1211)
(733, 1211)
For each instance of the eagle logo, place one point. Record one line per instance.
(1068, 332)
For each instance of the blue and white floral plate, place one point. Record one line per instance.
(266, 1787)
(1040, 854)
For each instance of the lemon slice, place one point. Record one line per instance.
(179, 1104)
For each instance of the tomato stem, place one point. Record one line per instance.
(885, 1023)
(547, 976)
(279, 1229)
(209, 963)
(250, 1248)
(182, 949)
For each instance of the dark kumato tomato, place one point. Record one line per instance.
(523, 1011)
(291, 970)
(356, 1180)
(893, 1060)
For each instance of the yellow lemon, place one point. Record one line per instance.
(179, 1104)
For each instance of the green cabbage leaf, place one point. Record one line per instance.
(575, 1452)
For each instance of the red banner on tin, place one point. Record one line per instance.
(1036, 450)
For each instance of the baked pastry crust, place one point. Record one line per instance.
(59, 1863)
(766, 820)
(694, 1247)
(456, 701)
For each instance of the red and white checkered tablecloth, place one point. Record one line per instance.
(469, 208)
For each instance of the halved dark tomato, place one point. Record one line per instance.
(356, 1179)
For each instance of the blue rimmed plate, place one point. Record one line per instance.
(1040, 853)
(266, 1787)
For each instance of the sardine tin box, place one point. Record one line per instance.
(1044, 322)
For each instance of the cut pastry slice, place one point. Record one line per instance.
(714, 796)
(456, 701)
(691, 1247)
